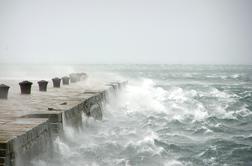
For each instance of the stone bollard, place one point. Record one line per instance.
(74, 77)
(56, 82)
(65, 80)
(42, 85)
(83, 76)
(25, 87)
(4, 89)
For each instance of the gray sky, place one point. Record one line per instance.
(126, 31)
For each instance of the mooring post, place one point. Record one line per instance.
(82, 75)
(42, 85)
(56, 82)
(74, 77)
(65, 80)
(25, 87)
(4, 89)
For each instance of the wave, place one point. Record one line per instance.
(157, 122)
(180, 102)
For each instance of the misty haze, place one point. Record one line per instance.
(105, 32)
(125, 83)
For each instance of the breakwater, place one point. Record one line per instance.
(30, 123)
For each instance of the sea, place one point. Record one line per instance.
(167, 115)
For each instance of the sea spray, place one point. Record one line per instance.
(167, 116)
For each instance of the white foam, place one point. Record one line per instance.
(235, 76)
(62, 148)
(216, 93)
(144, 97)
(173, 163)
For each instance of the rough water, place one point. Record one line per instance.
(168, 115)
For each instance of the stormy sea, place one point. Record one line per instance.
(168, 115)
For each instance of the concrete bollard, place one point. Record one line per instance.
(56, 82)
(74, 77)
(42, 85)
(4, 89)
(83, 76)
(65, 80)
(25, 87)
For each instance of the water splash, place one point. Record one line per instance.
(159, 121)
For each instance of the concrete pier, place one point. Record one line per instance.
(29, 123)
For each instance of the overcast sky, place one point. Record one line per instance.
(126, 31)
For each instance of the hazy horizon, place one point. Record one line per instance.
(126, 32)
(93, 64)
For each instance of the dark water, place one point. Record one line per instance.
(169, 115)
